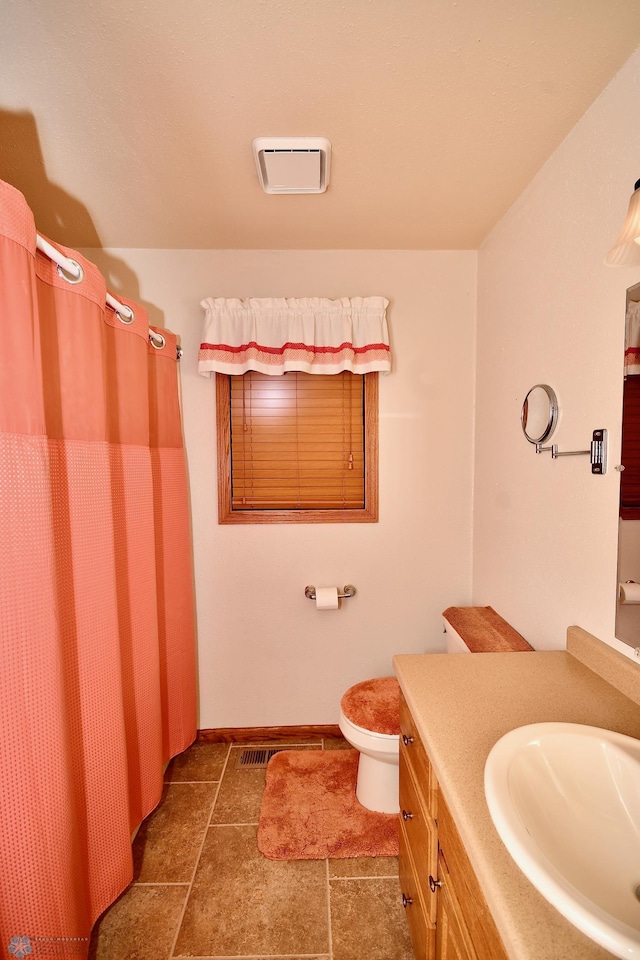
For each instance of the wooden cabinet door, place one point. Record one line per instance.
(460, 885)
(452, 937)
(421, 837)
(422, 932)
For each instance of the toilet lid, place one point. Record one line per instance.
(374, 705)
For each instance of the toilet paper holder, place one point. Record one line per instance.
(348, 591)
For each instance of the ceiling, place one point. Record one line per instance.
(129, 124)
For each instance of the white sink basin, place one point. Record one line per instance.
(565, 800)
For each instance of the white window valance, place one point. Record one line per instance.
(313, 335)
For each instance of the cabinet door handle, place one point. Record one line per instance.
(433, 884)
(406, 815)
(406, 901)
(406, 740)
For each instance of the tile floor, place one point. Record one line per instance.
(202, 889)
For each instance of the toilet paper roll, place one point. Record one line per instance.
(326, 598)
(630, 592)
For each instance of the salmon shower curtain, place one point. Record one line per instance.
(97, 672)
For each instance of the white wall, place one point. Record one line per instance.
(266, 656)
(545, 532)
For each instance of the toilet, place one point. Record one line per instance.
(370, 722)
(370, 715)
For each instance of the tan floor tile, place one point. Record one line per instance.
(201, 761)
(141, 925)
(240, 794)
(364, 867)
(367, 920)
(335, 743)
(168, 842)
(243, 904)
(241, 791)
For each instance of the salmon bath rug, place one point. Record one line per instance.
(309, 810)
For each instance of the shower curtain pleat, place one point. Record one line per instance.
(97, 684)
(135, 561)
(173, 549)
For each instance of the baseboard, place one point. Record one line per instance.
(268, 734)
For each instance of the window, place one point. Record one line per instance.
(297, 448)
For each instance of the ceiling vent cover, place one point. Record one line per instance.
(293, 164)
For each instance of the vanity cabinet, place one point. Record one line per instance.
(447, 913)
(418, 840)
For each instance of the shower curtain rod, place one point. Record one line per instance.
(75, 274)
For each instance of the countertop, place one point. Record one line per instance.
(462, 704)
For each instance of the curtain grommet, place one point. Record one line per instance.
(123, 318)
(67, 275)
(157, 346)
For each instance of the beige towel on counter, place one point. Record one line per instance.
(485, 631)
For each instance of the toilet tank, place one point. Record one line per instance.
(455, 643)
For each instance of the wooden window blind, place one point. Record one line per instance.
(630, 477)
(297, 447)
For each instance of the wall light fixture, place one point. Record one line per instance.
(626, 249)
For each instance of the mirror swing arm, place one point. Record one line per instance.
(539, 417)
(597, 451)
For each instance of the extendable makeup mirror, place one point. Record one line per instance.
(539, 417)
(539, 413)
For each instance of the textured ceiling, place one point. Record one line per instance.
(130, 124)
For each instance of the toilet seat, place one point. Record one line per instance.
(384, 746)
(373, 706)
(363, 732)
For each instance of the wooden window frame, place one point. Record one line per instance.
(367, 514)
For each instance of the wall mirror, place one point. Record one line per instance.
(628, 593)
(539, 413)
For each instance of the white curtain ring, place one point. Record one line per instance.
(124, 319)
(67, 275)
(157, 346)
